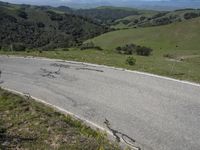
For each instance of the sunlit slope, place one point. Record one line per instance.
(178, 36)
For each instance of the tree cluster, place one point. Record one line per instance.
(130, 49)
(45, 29)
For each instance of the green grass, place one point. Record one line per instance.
(27, 124)
(179, 40)
(185, 35)
(185, 70)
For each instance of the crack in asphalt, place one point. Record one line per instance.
(50, 74)
(86, 67)
(119, 135)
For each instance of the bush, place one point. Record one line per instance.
(65, 49)
(130, 49)
(40, 25)
(131, 61)
(28, 51)
(142, 18)
(190, 15)
(17, 47)
(143, 51)
(22, 14)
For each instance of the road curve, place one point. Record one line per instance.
(160, 114)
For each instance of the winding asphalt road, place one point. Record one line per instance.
(159, 113)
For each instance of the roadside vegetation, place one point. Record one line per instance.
(176, 50)
(131, 61)
(169, 39)
(27, 124)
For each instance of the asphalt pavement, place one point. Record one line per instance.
(157, 112)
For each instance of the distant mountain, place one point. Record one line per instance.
(104, 15)
(144, 4)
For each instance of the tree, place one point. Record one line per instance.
(22, 14)
(143, 51)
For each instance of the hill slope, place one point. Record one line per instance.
(104, 14)
(42, 27)
(156, 18)
(176, 48)
(178, 36)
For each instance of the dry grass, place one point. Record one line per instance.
(26, 124)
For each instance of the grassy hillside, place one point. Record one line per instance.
(35, 26)
(176, 48)
(173, 37)
(153, 18)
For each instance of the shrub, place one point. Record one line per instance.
(143, 51)
(90, 45)
(40, 25)
(131, 61)
(142, 18)
(190, 15)
(28, 51)
(130, 49)
(136, 21)
(162, 21)
(22, 14)
(17, 47)
(65, 49)
(54, 16)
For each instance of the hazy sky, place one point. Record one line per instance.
(172, 4)
(91, 0)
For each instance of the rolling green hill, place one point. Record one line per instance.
(34, 26)
(176, 48)
(178, 36)
(153, 18)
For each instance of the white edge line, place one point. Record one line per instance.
(91, 124)
(60, 110)
(109, 67)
